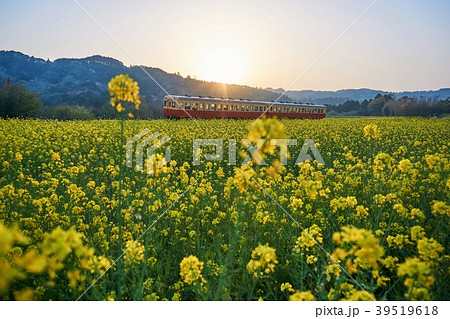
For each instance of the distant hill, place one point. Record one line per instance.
(340, 96)
(84, 81)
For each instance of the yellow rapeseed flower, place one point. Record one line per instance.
(263, 260)
(191, 269)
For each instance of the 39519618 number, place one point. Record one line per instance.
(407, 310)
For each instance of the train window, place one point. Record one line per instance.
(219, 107)
(225, 107)
(213, 107)
(207, 106)
(187, 105)
(201, 106)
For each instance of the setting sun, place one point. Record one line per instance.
(221, 64)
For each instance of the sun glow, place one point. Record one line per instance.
(221, 64)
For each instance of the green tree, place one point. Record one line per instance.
(17, 100)
(67, 112)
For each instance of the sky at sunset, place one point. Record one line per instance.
(397, 45)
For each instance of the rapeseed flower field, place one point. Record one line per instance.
(370, 224)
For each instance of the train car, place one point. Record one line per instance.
(176, 106)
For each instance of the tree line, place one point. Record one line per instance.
(16, 100)
(388, 105)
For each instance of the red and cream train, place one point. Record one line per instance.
(210, 107)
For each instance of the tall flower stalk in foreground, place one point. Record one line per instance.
(124, 93)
